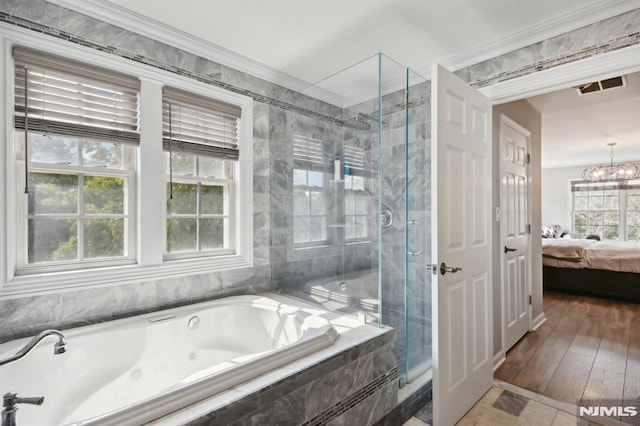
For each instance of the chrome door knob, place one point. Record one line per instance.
(444, 269)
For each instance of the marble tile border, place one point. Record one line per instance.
(565, 58)
(353, 400)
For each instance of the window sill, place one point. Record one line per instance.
(51, 282)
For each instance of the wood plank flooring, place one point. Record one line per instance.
(588, 348)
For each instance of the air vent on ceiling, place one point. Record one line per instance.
(599, 86)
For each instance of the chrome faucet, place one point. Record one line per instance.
(60, 346)
(10, 406)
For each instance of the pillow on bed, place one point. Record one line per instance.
(553, 231)
(557, 231)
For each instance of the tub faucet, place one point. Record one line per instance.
(60, 346)
(10, 406)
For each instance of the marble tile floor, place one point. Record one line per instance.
(506, 405)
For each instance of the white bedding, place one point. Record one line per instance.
(621, 256)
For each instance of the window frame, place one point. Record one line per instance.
(229, 190)
(355, 193)
(623, 207)
(324, 190)
(149, 179)
(129, 172)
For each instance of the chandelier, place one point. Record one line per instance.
(611, 172)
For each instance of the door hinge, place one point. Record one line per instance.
(433, 267)
(528, 229)
(528, 158)
(530, 300)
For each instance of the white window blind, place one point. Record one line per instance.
(198, 125)
(310, 154)
(55, 95)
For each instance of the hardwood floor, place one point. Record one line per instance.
(588, 348)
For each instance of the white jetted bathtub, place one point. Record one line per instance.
(134, 370)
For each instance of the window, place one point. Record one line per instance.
(309, 207)
(356, 199)
(77, 127)
(356, 208)
(117, 191)
(201, 148)
(610, 210)
(633, 214)
(310, 191)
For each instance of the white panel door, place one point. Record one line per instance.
(516, 265)
(461, 227)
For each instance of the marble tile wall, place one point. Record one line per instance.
(357, 386)
(610, 34)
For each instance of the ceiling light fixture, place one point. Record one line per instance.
(611, 172)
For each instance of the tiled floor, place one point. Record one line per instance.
(514, 406)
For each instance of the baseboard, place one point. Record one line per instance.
(499, 359)
(538, 321)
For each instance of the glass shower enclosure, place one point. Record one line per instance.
(359, 169)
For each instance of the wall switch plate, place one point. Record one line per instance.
(498, 214)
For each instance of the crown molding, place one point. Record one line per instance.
(148, 27)
(561, 24)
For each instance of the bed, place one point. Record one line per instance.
(601, 268)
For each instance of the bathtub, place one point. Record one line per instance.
(358, 289)
(135, 370)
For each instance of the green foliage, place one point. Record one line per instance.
(57, 239)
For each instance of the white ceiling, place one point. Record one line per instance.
(576, 128)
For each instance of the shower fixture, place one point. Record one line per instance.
(386, 218)
(360, 121)
(354, 123)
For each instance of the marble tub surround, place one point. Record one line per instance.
(26, 316)
(359, 370)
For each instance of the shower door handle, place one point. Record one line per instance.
(444, 269)
(421, 239)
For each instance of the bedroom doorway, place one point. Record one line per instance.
(610, 64)
(515, 229)
(569, 356)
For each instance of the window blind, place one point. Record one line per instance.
(61, 96)
(354, 160)
(198, 125)
(582, 186)
(310, 154)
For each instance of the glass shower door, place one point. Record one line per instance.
(418, 225)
